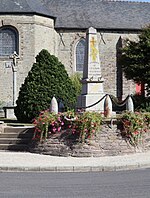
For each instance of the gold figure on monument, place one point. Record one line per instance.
(94, 51)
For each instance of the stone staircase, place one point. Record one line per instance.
(15, 138)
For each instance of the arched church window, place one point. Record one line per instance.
(80, 51)
(8, 41)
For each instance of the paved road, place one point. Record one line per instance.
(121, 184)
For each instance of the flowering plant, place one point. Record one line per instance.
(84, 124)
(88, 125)
(147, 119)
(47, 123)
(135, 125)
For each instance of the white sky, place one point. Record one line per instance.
(138, 0)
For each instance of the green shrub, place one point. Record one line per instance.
(46, 79)
(142, 103)
(75, 78)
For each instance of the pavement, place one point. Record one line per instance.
(24, 161)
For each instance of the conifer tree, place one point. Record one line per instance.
(135, 58)
(46, 79)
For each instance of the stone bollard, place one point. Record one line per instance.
(54, 105)
(107, 107)
(129, 104)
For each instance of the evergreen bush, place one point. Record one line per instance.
(141, 103)
(75, 78)
(46, 79)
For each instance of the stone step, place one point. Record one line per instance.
(14, 147)
(16, 135)
(14, 140)
(18, 129)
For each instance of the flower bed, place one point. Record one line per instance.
(84, 124)
(85, 134)
(135, 125)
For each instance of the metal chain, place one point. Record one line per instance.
(122, 103)
(119, 105)
(94, 103)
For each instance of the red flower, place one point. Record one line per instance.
(136, 132)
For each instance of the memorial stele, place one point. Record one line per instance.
(92, 81)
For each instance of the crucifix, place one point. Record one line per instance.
(14, 57)
(94, 51)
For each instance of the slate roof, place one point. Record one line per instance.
(23, 7)
(101, 14)
(81, 14)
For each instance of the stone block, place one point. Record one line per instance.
(9, 112)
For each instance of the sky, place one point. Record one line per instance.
(139, 0)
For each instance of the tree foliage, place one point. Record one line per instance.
(46, 79)
(75, 78)
(135, 58)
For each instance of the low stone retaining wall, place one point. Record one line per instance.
(109, 142)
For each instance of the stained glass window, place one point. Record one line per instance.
(8, 42)
(80, 51)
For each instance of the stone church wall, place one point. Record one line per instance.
(108, 44)
(35, 33)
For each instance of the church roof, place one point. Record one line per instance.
(23, 7)
(101, 14)
(81, 14)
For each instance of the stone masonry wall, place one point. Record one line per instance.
(108, 44)
(35, 33)
(109, 142)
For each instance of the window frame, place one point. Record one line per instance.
(14, 31)
(80, 40)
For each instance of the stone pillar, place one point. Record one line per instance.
(54, 106)
(92, 81)
(108, 107)
(14, 87)
(14, 57)
(9, 110)
(129, 104)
